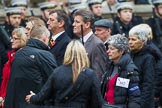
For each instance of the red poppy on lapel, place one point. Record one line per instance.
(52, 42)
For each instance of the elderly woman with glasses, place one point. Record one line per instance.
(18, 40)
(120, 82)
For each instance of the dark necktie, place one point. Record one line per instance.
(106, 45)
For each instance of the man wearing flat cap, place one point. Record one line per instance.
(103, 30)
(156, 23)
(125, 19)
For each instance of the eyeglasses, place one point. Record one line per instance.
(13, 38)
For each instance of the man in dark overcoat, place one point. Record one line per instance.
(30, 69)
(59, 40)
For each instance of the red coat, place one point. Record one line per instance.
(6, 73)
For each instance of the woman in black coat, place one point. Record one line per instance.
(73, 84)
(145, 62)
(120, 82)
(157, 54)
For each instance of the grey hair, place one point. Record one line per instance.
(39, 30)
(86, 15)
(61, 15)
(119, 41)
(140, 31)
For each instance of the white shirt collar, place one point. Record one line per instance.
(106, 41)
(85, 38)
(54, 37)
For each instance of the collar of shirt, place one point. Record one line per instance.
(54, 37)
(106, 41)
(85, 38)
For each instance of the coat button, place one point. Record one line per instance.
(66, 97)
(119, 67)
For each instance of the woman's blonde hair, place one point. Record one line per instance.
(20, 33)
(76, 56)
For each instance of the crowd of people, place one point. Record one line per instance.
(75, 58)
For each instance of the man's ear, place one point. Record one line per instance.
(109, 30)
(44, 38)
(61, 23)
(87, 25)
(156, 11)
(7, 19)
(118, 14)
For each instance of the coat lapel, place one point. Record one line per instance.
(58, 40)
(88, 41)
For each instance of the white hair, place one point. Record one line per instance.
(140, 31)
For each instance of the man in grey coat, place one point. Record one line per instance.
(95, 48)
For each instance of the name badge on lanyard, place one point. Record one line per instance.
(122, 82)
